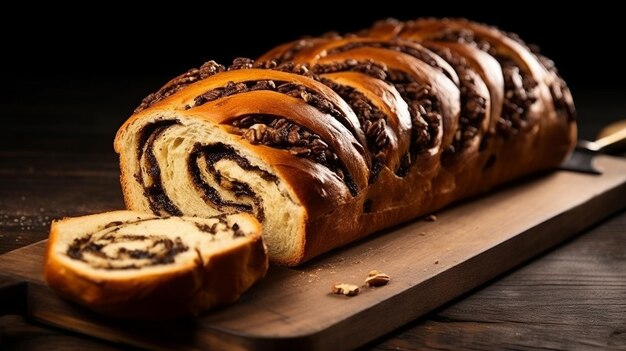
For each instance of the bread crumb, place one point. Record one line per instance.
(430, 218)
(345, 289)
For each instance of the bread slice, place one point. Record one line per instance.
(135, 265)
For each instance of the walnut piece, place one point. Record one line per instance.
(376, 278)
(345, 289)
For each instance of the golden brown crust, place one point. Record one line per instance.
(388, 65)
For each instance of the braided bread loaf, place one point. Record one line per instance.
(329, 139)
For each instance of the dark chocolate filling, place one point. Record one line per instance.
(558, 89)
(237, 233)
(372, 119)
(159, 250)
(424, 106)
(425, 112)
(373, 123)
(75, 250)
(281, 133)
(416, 52)
(473, 105)
(159, 202)
(116, 225)
(519, 85)
(113, 224)
(369, 67)
(212, 229)
(308, 95)
(213, 154)
(146, 132)
(166, 253)
(519, 96)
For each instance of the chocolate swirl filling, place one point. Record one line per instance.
(519, 85)
(159, 202)
(473, 105)
(154, 192)
(148, 250)
(424, 106)
(277, 132)
(425, 111)
(372, 120)
(308, 95)
(413, 51)
(257, 129)
(558, 88)
(212, 154)
(373, 123)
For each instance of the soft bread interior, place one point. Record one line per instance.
(193, 143)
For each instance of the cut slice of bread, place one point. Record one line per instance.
(136, 265)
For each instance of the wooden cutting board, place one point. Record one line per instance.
(430, 264)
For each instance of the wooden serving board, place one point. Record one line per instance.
(430, 263)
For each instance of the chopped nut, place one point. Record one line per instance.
(376, 278)
(345, 289)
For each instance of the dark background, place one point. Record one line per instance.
(81, 72)
(71, 76)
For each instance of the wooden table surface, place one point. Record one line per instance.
(573, 297)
